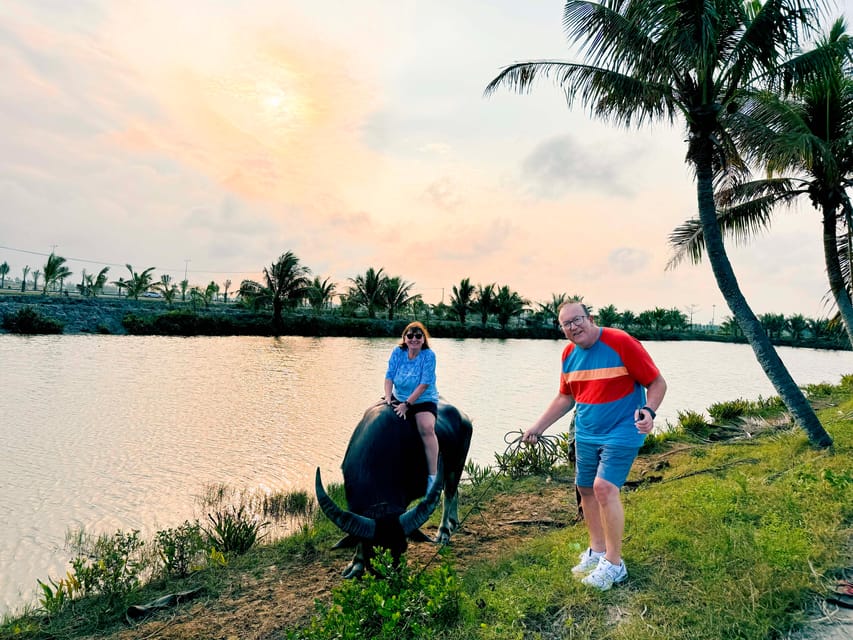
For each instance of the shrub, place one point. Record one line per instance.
(731, 410)
(179, 548)
(57, 595)
(820, 390)
(477, 475)
(396, 603)
(107, 565)
(30, 322)
(234, 530)
(693, 423)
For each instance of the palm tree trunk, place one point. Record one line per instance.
(766, 355)
(833, 271)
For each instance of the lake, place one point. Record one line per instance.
(121, 432)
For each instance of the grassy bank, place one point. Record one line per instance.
(732, 532)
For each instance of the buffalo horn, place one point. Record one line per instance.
(347, 521)
(414, 518)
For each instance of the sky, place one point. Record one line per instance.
(207, 138)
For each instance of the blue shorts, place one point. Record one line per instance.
(612, 463)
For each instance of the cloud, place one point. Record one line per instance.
(628, 260)
(560, 165)
(443, 194)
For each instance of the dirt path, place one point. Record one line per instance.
(283, 597)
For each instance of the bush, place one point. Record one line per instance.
(234, 531)
(106, 565)
(727, 411)
(179, 548)
(520, 460)
(395, 604)
(693, 423)
(28, 321)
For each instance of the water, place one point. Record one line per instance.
(121, 432)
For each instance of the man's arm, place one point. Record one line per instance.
(559, 407)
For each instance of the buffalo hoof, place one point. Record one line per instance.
(354, 570)
(443, 536)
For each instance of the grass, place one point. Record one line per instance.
(736, 541)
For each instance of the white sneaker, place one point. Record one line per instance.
(588, 561)
(606, 574)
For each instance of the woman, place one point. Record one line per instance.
(410, 389)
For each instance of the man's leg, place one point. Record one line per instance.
(592, 518)
(611, 518)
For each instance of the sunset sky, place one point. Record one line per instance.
(212, 136)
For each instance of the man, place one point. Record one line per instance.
(617, 388)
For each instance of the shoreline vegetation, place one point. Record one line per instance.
(36, 313)
(736, 528)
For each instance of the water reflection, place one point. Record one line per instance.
(110, 432)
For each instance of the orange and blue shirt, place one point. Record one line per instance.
(608, 382)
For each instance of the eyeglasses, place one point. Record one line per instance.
(414, 336)
(573, 322)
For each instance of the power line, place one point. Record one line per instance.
(113, 264)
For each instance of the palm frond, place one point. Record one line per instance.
(747, 211)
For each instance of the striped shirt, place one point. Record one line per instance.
(608, 382)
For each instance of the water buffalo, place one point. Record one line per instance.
(384, 471)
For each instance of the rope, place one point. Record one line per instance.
(545, 447)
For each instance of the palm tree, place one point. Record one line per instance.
(25, 271)
(551, 310)
(92, 285)
(320, 293)
(649, 60)
(804, 142)
(4, 269)
(607, 316)
(36, 275)
(395, 295)
(462, 298)
(286, 283)
(773, 324)
(185, 285)
(54, 271)
(796, 326)
(367, 290)
(225, 291)
(508, 304)
(209, 294)
(485, 302)
(627, 319)
(167, 288)
(139, 283)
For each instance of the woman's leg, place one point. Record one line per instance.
(426, 427)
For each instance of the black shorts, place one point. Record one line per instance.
(421, 407)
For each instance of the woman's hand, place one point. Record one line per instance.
(401, 409)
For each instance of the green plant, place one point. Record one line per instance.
(56, 595)
(180, 547)
(107, 565)
(820, 390)
(693, 423)
(234, 530)
(522, 460)
(288, 504)
(477, 474)
(29, 321)
(395, 603)
(731, 410)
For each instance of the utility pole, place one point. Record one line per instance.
(186, 263)
(713, 310)
(690, 309)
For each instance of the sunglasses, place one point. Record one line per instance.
(414, 336)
